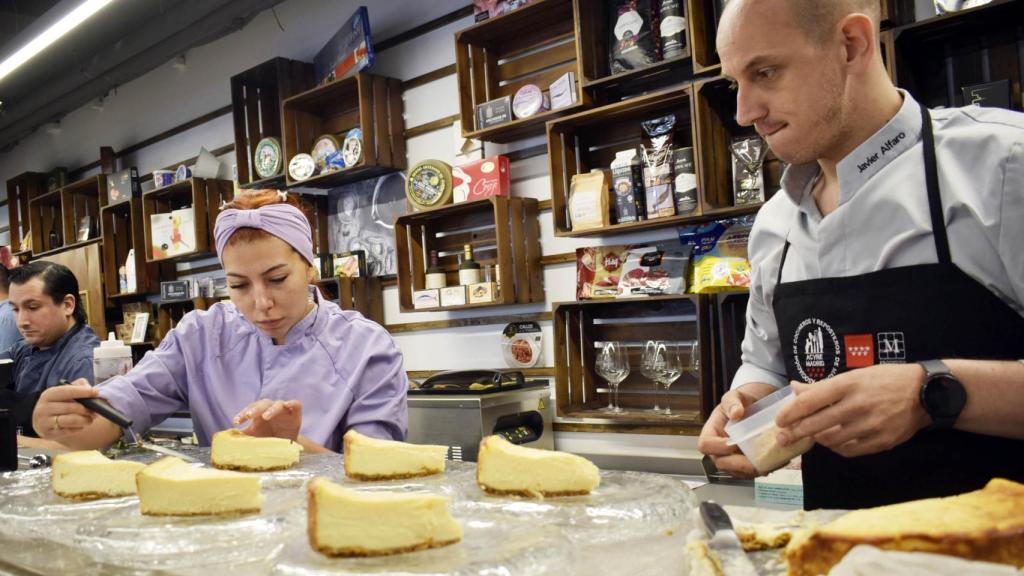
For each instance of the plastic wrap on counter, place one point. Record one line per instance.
(630, 510)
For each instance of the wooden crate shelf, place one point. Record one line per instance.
(715, 123)
(502, 231)
(364, 295)
(317, 211)
(46, 214)
(256, 97)
(371, 103)
(534, 44)
(20, 190)
(123, 229)
(595, 68)
(581, 326)
(702, 27)
(589, 140)
(81, 200)
(203, 195)
(935, 58)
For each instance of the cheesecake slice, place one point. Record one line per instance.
(986, 524)
(504, 468)
(345, 522)
(89, 475)
(374, 459)
(172, 487)
(234, 450)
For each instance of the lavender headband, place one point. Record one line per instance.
(281, 220)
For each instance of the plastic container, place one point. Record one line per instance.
(111, 358)
(756, 434)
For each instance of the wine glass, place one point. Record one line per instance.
(648, 367)
(613, 365)
(668, 366)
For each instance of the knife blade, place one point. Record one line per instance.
(724, 541)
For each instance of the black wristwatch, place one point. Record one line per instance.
(942, 395)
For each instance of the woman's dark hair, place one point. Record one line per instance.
(58, 282)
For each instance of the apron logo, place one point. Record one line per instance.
(815, 350)
(860, 350)
(892, 348)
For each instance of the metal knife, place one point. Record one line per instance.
(724, 541)
(103, 408)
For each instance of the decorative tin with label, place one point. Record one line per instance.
(352, 148)
(323, 146)
(301, 167)
(530, 100)
(429, 184)
(685, 180)
(267, 158)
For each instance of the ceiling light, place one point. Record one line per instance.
(66, 24)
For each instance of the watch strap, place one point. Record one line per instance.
(935, 367)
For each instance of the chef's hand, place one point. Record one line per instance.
(57, 414)
(863, 411)
(713, 437)
(276, 418)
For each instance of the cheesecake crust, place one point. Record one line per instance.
(220, 466)
(379, 477)
(532, 493)
(87, 496)
(242, 512)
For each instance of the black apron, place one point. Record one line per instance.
(907, 314)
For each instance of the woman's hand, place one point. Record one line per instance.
(58, 415)
(274, 418)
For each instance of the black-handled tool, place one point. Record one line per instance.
(103, 408)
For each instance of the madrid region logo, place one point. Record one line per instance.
(815, 350)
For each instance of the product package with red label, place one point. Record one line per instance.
(598, 269)
(655, 270)
(481, 179)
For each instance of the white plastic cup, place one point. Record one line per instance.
(756, 434)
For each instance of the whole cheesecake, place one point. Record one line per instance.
(374, 459)
(986, 524)
(344, 522)
(172, 487)
(234, 450)
(89, 475)
(504, 468)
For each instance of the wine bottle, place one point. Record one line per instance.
(469, 269)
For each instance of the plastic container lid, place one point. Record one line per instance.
(111, 348)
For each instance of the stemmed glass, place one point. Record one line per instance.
(649, 366)
(613, 365)
(668, 366)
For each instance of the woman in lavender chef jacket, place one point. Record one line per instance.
(278, 358)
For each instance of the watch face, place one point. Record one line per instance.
(944, 397)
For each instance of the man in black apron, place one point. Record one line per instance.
(892, 421)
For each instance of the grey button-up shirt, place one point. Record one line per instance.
(69, 358)
(883, 218)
